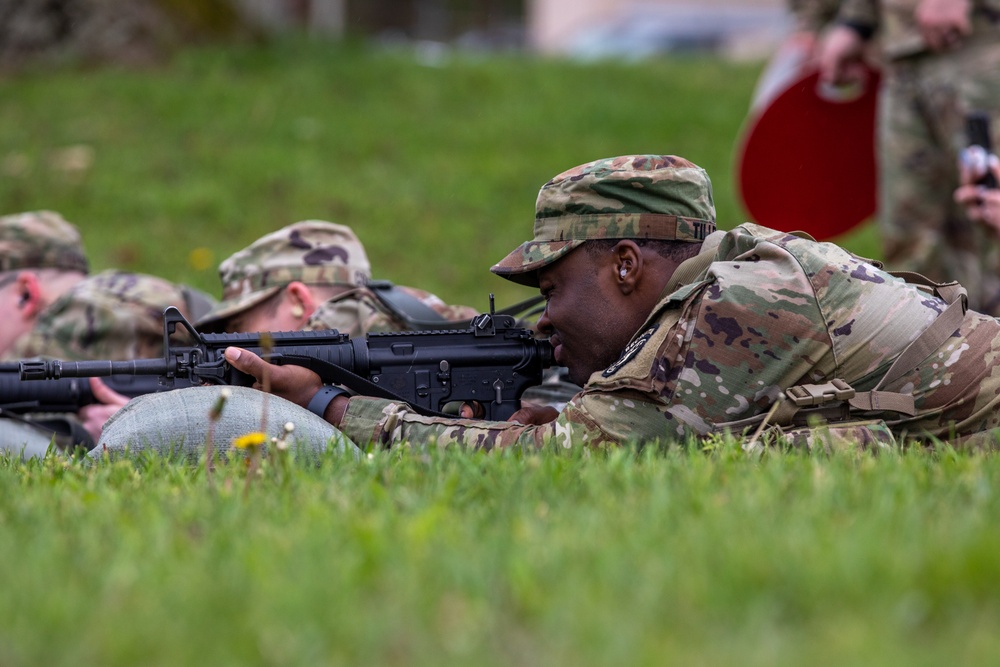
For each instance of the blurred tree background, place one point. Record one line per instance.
(175, 132)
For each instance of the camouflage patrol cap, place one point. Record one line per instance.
(313, 252)
(40, 240)
(630, 197)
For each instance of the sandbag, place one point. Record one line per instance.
(177, 423)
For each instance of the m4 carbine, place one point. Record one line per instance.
(490, 363)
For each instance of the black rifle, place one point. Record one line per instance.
(67, 394)
(490, 363)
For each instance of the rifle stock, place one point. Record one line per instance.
(492, 362)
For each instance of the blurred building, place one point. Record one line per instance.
(576, 28)
(487, 23)
(639, 28)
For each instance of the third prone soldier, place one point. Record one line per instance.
(310, 275)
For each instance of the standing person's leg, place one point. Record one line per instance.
(921, 134)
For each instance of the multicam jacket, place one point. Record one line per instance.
(771, 311)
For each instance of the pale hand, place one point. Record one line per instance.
(944, 23)
(981, 204)
(94, 416)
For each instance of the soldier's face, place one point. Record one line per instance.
(584, 314)
(288, 310)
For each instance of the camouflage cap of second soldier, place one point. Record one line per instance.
(313, 252)
(629, 197)
(40, 240)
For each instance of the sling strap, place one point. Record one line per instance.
(196, 303)
(406, 307)
(418, 316)
(688, 270)
(929, 340)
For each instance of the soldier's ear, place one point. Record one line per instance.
(628, 265)
(30, 299)
(303, 302)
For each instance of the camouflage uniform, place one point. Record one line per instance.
(767, 311)
(360, 311)
(315, 253)
(924, 99)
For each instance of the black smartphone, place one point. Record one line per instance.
(977, 131)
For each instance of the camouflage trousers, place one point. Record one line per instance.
(921, 132)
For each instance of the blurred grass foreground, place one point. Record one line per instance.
(419, 556)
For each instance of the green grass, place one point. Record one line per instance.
(446, 558)
(457, 558)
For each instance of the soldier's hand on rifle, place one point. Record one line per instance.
(299, 385)
(94, 415)
(293, 383)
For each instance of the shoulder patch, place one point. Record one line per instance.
(630, 351)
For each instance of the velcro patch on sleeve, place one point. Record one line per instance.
(630, 351)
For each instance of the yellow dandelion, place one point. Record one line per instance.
(250, 440)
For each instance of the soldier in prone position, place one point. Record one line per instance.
(677, 331)
(52, 307)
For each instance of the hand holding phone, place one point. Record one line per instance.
(976, 156)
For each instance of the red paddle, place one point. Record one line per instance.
(807, 160)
